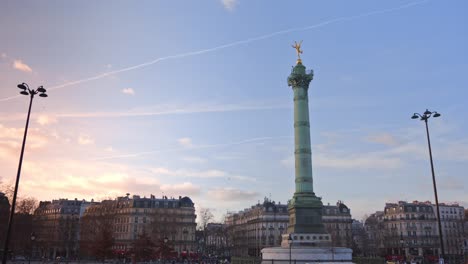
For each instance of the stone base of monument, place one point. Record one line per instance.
(303, 255)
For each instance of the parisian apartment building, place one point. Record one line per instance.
(56, 227)
(262, 225)
(411, 229)
(128, 219)
(74, 228)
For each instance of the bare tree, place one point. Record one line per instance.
(143, 248)
(205, 217)
(26, 205)
(97, 233)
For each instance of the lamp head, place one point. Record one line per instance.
(24, 92)
(415, 116)
(427, 112)
(22, 86)
(43, 95)
(41, 89)
(436, 114)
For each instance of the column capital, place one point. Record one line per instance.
(299, 77)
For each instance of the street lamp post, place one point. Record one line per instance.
(165, 245)
(424, 117)
(33, 238)
(25, 91)
(402, 242)
(290, 240)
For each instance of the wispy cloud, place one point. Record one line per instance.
(233, 44)
(44, 119)
(185, 142)
(174, 109)
(229, 4)
(213, 173)
(138, 154)
(85, 140)
(169, 109)
(362, 161)
(183, 189)
(193, 159)
(231, 194)
(128, 91)
(11, 137)
(19, 65)
(383, 138)
(201, 174)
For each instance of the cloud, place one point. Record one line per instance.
(246, 141)
(109, 149)
(230, 194)
(329, 159)
(451, 183)
(183, 189)
(202, 174)
(3, 55)
(213, 173)
(229, 4)
(129, 91)
(193, 159)
(383, 138)
(365, 161)
(186, 142)
(11, 139)
(85, 140)
(19, 65)
(44, 119)
(182, 109)
(84, 179)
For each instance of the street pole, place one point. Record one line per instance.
(435, 193)
(31, 93)
(13, 204)
(424, 117)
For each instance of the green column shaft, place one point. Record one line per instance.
(302, 149)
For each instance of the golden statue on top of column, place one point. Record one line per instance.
(297, 46)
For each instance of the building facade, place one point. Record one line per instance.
(373, 242)
(410, 229)
(257, 227)
(126, 220)
(261, 226)
(216, 240)
(56, 225)
(338, 223)
(452, 221)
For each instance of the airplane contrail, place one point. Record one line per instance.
(232, 44)
(137, 154)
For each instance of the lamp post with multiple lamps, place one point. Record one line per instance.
(165, 245)
(31, 92)
(424, 117)
(402, 243)
(33, 238)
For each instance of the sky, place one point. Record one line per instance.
(190, 98)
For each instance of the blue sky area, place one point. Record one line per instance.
(190, 98)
